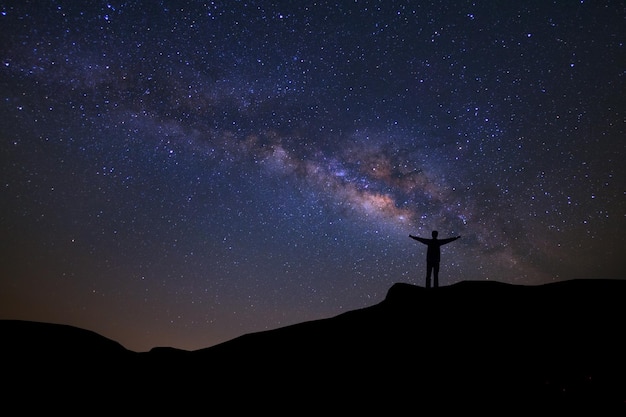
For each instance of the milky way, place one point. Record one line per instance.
(182, 173)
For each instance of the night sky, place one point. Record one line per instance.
(180, 173)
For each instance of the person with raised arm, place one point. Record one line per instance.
(433, 255)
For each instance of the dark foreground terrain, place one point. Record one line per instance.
(470, 347)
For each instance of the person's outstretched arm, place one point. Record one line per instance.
(420, 239)
(448, 240)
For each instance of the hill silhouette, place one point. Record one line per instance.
(479, 346)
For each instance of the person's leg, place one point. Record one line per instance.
(436, 275)
(429, 268)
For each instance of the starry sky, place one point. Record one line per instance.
(181, 173)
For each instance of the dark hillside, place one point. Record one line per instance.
(482, 346)
(552, 346)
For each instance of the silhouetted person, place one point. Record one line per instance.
(433, 255)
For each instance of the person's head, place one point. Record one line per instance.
(435, 233)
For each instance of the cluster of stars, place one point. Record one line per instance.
(183, 174)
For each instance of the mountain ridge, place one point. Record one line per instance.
(471, 345)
